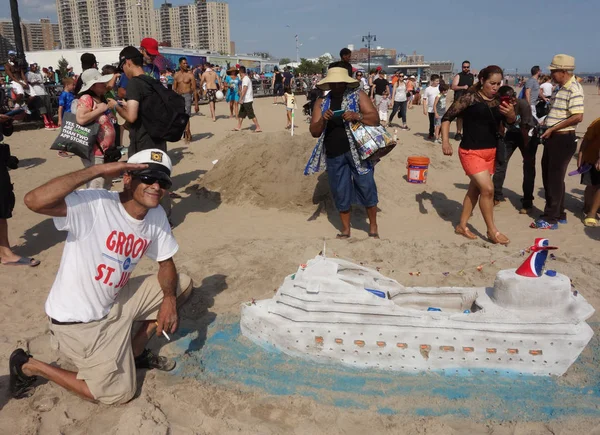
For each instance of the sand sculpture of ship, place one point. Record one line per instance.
(334, 311)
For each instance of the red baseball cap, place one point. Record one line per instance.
(378, 68)
(150, 45)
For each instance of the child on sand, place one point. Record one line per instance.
(290, 101)
(383, 107)
(439, 110)
(66, 98)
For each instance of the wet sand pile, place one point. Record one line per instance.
(267, 170)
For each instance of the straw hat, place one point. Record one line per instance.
(233, 70)
(562, 61)
(92, 76)
(337, 75)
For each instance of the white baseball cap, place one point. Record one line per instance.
(159, 163)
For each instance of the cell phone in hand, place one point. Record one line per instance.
(505, 99)
(338, 113)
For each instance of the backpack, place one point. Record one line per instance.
(163, 112)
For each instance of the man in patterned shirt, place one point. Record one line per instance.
(565, 113)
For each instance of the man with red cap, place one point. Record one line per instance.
(149, 49)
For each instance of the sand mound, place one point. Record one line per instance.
(267, 170)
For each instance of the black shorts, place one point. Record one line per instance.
(7, 199)
(211, 95)
(246, 110)
(591, 177)
(278, 89)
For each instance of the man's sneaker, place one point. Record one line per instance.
(20, 383)
(525, 210)
(430, 137)
(562, 221)
(458, 136)
(26, 109)
(541, 224)
(147, 360)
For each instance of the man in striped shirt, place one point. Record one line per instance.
(565, 113)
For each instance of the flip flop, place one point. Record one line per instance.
(374, 235)
(20, 383)
(23, 261)
(465, 233)
(590, 222)
(498, 238)
(342, 236)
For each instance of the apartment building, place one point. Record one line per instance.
(201, 25)
(41, 35)
(104, 23)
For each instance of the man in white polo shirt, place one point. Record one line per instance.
(92, 305)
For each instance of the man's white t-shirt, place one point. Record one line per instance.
(249, 97)
(430, 94)
(547, 88)
(39, 89)
(104, 244)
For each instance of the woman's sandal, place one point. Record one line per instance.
(465, 233)
(342, 236)
(590, 222)
(498, 238)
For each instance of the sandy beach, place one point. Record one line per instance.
(245, 223)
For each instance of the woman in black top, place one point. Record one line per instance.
(277, 85)
(482, 114)
(350, 179)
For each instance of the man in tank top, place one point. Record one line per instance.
(461, 82)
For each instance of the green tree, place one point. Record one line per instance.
(309, 67)
(284, 61)
(62, 67)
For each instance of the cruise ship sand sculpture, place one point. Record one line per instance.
(334, 311)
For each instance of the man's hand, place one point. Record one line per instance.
(167, 318)
(447, 148)
(579, 158)
(112, 103)
(116, 169)
(547, 133)
(197, 108)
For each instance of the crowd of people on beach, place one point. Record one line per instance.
(92, 310)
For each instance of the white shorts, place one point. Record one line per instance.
(383, 115)
(17, 88)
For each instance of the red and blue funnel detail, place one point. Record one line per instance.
(533, 267)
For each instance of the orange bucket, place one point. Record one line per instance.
(417, 169)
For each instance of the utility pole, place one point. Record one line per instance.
(16, 21)
(297, 50)
(368, 39)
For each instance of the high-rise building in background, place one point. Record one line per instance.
(201, 25)
(104, 23)
(42, 35)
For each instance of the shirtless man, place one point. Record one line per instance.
(185, 84)
(17, 77)
(212, 82)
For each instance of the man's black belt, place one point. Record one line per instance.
(56, 322)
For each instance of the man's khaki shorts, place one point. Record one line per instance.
(102, 351)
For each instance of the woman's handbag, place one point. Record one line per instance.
(372, 142)
(77, 139)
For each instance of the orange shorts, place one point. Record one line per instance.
(476, 161)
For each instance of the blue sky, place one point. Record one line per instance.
(509, 33)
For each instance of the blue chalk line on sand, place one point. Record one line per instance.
(225, 356)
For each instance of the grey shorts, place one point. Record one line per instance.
(188, 103)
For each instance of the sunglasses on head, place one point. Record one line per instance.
(150, 180)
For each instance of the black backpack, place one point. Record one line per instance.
(163, 112)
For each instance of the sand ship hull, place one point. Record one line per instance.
(334, 311)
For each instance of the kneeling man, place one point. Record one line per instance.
(93, 305)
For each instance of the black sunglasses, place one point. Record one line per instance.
(150, 180)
